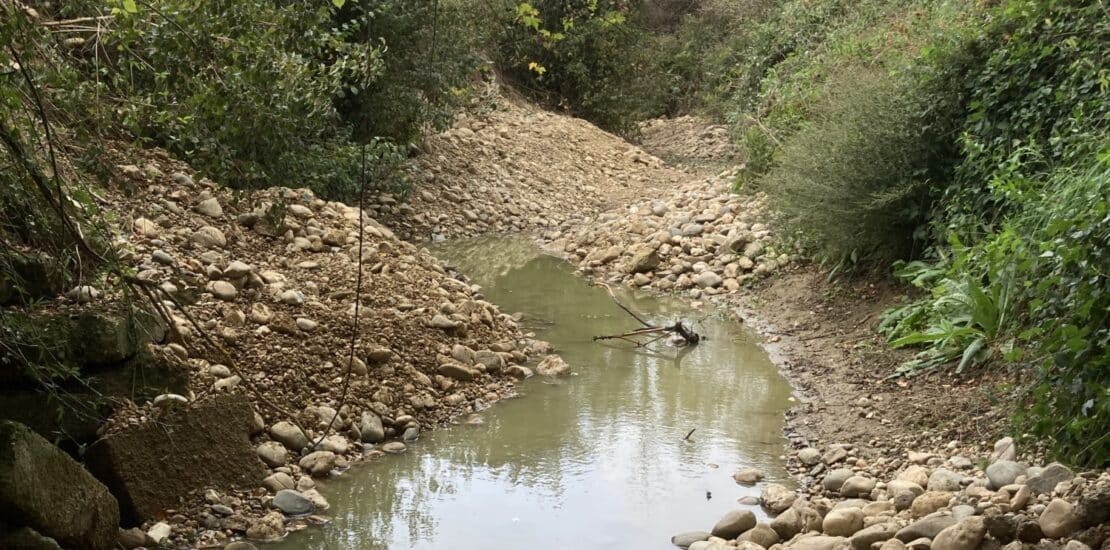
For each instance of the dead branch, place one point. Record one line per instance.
(688, 336)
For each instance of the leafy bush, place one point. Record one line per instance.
(257, 93)
(590, 57)
(856, 181)
(1018, 275)
(429, 51)
(1032, 293)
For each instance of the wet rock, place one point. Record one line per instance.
(777, 498)
(748, 476)
(842, 523)
(41, 487)
(394, 447)
(965, 535)
(290, 435)
(518, 371)
(1044, 482)
(733, 524)
(684, 540)
(270, 527)
(552, 365)
(644, 260)
(1059, 519)
(370, 428)
(293, 503)
(318, 463)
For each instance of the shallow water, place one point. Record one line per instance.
(594, 460)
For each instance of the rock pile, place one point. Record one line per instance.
(517, 169)
(687, 140)
(700, 239)
(271, 278)
(939, 500)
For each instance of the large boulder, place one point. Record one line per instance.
(149, 466)
(41, 487)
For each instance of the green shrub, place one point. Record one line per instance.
(856, 182)
(258, 93)
(429, 51)
(1032, 293)
(590, 57)
(1018, 275)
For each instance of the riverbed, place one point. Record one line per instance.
(597, 459)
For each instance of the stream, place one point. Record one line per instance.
(592, 460)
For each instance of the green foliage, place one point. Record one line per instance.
(257, 93)
(238, 88)
(1019, 273)
(855, 181)
(1032, 293)
(587, 56)
(428, 54)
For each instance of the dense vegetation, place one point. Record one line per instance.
(964, 144)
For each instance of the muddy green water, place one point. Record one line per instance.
(594, 460)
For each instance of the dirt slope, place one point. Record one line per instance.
(271, 276)
(519, 168)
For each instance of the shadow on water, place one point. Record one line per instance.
(594, 460)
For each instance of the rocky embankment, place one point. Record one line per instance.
(956, 498)
(699, 239)
(260, 292)
(688, 141)
(518, 168)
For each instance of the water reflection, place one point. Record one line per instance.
(589, 461)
